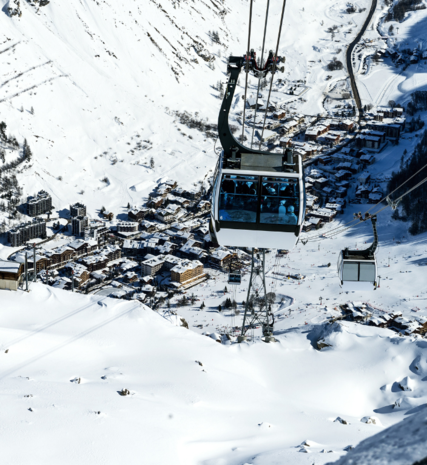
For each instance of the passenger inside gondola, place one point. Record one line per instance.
(239, 199)
(279, 201)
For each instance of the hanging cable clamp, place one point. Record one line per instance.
(393, 203)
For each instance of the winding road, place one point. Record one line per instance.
(350, 49)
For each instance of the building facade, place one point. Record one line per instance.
(26, 232)
(78, 209)
(78, 225)
(39, 204)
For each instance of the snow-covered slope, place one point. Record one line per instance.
(65, 357)
(401, 443)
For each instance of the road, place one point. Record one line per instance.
(350, 49)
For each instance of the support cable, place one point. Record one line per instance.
(273, 71)
(247, 69)
(344, 227)
(261, 73)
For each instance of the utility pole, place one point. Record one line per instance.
(72, 280)
(34, 264)
(26, 271)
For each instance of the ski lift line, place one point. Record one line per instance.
(262, 59)
(273, 71)
(387, 198)
(247, 69)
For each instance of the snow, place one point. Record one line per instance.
(245, 403)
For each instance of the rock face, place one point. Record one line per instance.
(406, 384)
(321, 344)
(14, 8)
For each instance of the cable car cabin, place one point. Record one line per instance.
(235, 277)
(357, 273)
(259, 205)
(357, 269)
(258, 198)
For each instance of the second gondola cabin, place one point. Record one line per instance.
(357, 269)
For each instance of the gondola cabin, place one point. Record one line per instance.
(235, 277)
(357, 273)
(357, 269)
(261, 204)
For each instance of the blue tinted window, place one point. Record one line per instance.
(279, 201)
(238, 200)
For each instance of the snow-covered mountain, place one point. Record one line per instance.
(94, 85)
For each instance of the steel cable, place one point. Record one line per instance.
(273, 71)
(247, 69)
(261, 65)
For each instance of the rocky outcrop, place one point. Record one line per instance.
(14, 8)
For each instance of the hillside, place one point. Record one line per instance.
(94, 85)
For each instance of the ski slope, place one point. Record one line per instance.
(244, 404)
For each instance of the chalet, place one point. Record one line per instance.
(280, 114)
(192, 249)
(364, 178)
(289, 126)
(324, 214)
(137, 214)
(134, 248)
(342, 174)
(362, 192)
(367, 159)
(11, 274)
(165, 216)
(183, 202)
(82, 247)
(347, 125)
(252, 103)
(221, 257)
(316, 131)
(311, 223)
(107, 215)
(77, 272)
(148, 226)
(59, 256)
(95, 262)
(321, 183)
(285, 141)
(204, 206)
(156, 202)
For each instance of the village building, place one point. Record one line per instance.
(325, 214)
(27, 231)
(78, 225)
(78, 209)
(39, 204)
(127, 227)
(137, 214)
(77, 272)
(221, 257)
(11, 274)
(187, 271)
(153, 265)
(316, 131)
(96, 230)
(279, 114)
(82, 247)
(107, 215)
